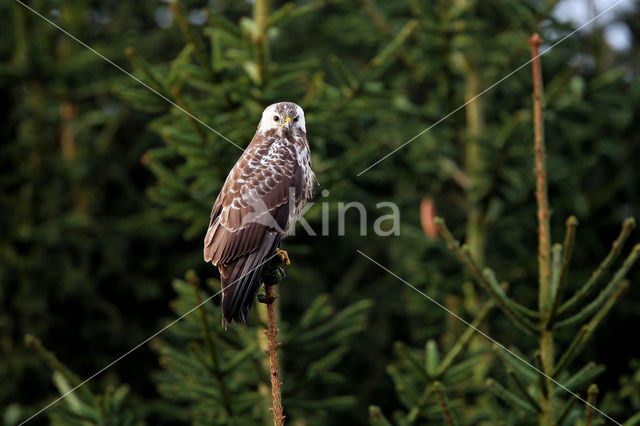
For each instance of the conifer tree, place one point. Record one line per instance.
(357, 345)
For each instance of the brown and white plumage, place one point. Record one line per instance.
(260, 202)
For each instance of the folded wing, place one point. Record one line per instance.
(248, 220)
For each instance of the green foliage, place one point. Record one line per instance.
(78, 235)
(221, 376)
(82, 407)
(106, 188)
(528, 393)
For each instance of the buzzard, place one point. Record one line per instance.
(260, 202)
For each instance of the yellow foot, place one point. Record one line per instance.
(284, 256)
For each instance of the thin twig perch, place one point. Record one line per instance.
(274, 276)
(272, 351)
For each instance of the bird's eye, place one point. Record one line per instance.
(295, 120)
(276, 118)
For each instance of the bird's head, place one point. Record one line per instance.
(286, 118)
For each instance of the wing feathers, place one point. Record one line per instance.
(242, 279)
(241, 235)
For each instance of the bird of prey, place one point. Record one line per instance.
(260, 202)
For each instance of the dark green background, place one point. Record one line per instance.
(101, 206)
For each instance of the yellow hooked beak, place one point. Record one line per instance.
(288, 122)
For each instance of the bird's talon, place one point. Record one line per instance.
(284, 257)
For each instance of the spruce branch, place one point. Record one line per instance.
(571, 352)
(273, 276)
(394, 47)
(349, 78)
(523, 390)
(585, 375)
(220, 22)
(303, 9)
(614, 286)
(544, 238)
(272, 349)
(280, 13)
(633, 420)
(239, 357)
(52, 361)
(405, 386)
(600, 306)
(403, 351)
(431, 357)
(462, 370)
(475, 163)
(376, 417)
(289, 11)
(444, 404)
(417, 410)
(556, 265)
(537, 362)
(616, 248)
(141, 64)
(490, 285)
(195, 350)
(370, 8)
(509, 397)
(260, 39)
(567, 250)
(177, 95)
(192, 38)
(544, 234)
(100, 402)
(384, 58)
(206, 335)
(464, 338)
(376, 66)
(515, 364)
(591, 399)
(500, 291)
(599, 316)
(567, 409)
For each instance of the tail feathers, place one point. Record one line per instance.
(242, 278)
